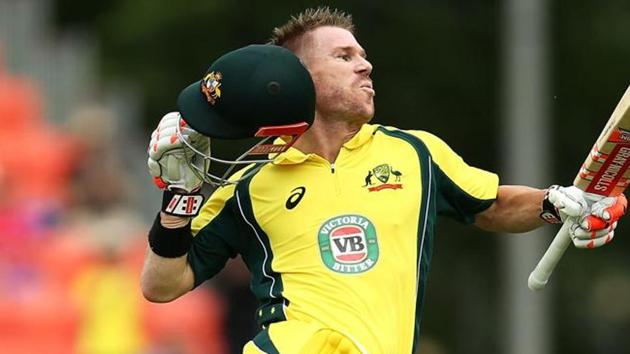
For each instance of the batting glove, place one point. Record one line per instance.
(593, 219)
(170, 160)
(598, 228)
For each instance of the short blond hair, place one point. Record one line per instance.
(309, 20)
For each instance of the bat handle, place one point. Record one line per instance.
(540, 275)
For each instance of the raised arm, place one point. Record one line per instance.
(166, 274)
(520, 209)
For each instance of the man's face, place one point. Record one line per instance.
(340, 72)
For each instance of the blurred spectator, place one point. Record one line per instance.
(35, 313)
(35, 157)
(71, 245)
(116, 319)
(101, 189)
(110, 319)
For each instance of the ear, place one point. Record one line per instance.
(303, 47)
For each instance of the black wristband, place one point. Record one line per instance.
(549, 212)
(169, 243)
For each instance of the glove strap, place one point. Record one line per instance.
(181, 204)
(549, 212)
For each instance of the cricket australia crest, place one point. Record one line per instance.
(348, 244)
(211, 87)
(383, 174)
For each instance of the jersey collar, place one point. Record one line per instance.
(295, 156)
(363, 136)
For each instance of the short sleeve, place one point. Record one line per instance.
(462, 190)
(214, 244)
(216, 234)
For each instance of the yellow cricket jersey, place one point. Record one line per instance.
(346, 246)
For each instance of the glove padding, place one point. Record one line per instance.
(170, 159)
(593, 219)
(569, 202)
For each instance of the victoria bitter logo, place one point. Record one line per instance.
(348, 244)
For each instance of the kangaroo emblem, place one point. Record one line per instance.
(368, 179)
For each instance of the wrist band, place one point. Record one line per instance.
(169, 243)
(181, 204)
(549, 212)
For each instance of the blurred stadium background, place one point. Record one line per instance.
(83, 83)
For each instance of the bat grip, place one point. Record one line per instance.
(540, 275)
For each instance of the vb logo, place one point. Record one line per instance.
(348, 244)
(296, 195)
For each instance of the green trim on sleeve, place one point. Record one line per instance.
(214, 244)
(454, 202)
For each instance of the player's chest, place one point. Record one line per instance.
(348, 220)
(351, 198)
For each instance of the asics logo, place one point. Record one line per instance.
(296, 195)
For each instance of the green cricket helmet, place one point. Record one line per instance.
(258, 91)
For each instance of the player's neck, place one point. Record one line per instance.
(325, 138)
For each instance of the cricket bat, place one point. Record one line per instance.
(604, 173)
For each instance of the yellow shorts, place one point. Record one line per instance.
(296, 337)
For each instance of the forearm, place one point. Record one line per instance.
(516, 210)
(164, 278)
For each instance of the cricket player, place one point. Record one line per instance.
(337, 228)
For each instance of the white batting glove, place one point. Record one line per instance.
(568, 201)
(170, 159)
(593, 219)
(598, 228)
